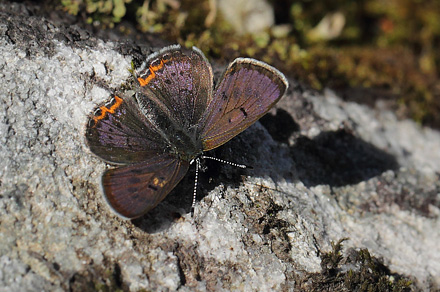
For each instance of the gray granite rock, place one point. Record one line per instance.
(324, 169)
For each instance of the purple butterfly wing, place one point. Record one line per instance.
(247, 90)
(178, 83)
(135, 189)
(119, 133)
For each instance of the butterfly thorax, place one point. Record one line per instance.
(184, 143)
(180, 134)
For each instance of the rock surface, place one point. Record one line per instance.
(324, 169)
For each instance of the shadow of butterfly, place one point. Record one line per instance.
(175, 115)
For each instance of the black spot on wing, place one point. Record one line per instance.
(152, 187)
(244, 112)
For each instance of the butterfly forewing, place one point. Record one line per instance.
(247, 90)
(135, 189)
(118, 132)
(180, 84)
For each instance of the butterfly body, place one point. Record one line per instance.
(175, 115)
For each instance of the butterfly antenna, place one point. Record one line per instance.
(227, 162)
(196, 179)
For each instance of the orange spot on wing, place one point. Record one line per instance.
(105, 110)
(145, 81)
(153, 69)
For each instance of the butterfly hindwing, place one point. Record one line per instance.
(135, 189)
(247, 90)
(119, 133)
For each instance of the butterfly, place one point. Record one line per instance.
(174, 116)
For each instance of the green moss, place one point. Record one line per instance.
(105, 12)
(370, 273)
(330, 261)
(71, 6)
(103, 278)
